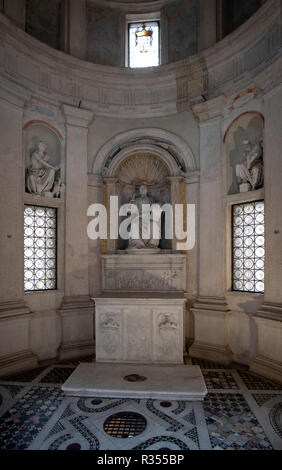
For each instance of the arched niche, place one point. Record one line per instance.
(160, 139)
(135, 166)
(249, 126)
(40, 131)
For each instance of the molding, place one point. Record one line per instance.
(269, 311)
(95, 181)
(156, 137)
(215, 352)
(211, 304)
(14, 94)
(249, 54)
(192, 178)
(77, 117)
(74, 303)
(267, 367)
(14, 309)
(210, 110)
(129, 6)
(76, 349)
(241, 198)
(17, 362)
(43, 123)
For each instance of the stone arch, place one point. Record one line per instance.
(174, 150)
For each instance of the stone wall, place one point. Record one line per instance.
(95, 108)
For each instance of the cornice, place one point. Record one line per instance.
(145, 6)
(224, 69)
(77, 116)
(210, 109)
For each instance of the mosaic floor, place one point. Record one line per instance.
(242, 411)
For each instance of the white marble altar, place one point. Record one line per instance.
(158, 382)
(139, 329)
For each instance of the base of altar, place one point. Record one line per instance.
(139, 328)
(137, 381)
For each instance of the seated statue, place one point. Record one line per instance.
(146, 219)
(251, 172)
(41, 175)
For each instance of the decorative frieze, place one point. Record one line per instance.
(158, 272)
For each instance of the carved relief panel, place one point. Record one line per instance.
(108, 335)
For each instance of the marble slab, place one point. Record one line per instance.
(181, 382)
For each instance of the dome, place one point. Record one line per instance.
(97, 30)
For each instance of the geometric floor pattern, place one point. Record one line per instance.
(242, 411)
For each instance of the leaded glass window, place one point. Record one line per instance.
(248, 247)
(40, 248)
(144, 44)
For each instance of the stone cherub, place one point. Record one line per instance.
(250, 174)
(41, 175)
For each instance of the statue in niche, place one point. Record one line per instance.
(147, 220)
(250, 174)
(41, 175)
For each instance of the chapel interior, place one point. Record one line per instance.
(110, 103)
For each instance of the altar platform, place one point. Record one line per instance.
(178, 382)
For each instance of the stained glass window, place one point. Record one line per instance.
(248, 247)
(143, 44)
(40, 248)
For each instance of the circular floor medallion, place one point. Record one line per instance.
(134, 378)
(74, 447)
(166, 404)
(125, 425)
(96, 402)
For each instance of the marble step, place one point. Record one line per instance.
(178, 382)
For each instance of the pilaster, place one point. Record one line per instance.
(269, 317)
(76, 311)
(95, 190)
(15, 316)
(211, 310)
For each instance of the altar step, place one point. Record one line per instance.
(178, 382)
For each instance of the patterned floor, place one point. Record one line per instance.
(242, 411)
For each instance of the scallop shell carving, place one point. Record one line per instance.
(142, 168)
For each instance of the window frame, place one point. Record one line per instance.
(52, 203)
(142, 18)
(35, 206)
(231, 231)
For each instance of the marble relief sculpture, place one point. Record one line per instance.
(250, 174)
(41, 175)
(147, 222)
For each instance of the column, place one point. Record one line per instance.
(77, 28)
(77, 309)
(208, 23)
(111, 190)
(211, 310)
(175, 182)
(95, 186)
(192, 184)
(15, 10)
(269, 318)
(15, 316)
